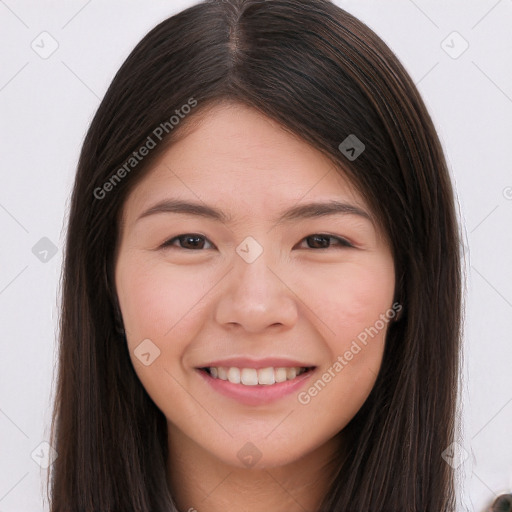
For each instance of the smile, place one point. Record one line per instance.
(255, 386)
(254, 377)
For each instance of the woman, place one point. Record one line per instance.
(262, 287)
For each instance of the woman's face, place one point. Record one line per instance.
(252, 283)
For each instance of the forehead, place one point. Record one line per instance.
(237, 158)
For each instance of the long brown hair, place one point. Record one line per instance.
(324, 76)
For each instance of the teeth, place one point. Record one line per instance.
(248, 376)
(266, 376)
(234, 375)
(291, 373)
(280, 374)
(254, 377)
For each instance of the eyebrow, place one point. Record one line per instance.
(304, 211)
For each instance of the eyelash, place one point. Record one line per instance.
(343, 244)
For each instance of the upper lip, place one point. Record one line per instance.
(246, 362)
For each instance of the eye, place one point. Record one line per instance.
(321, 241)
(189, 241)
(193, 242)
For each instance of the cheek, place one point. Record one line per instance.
(351, 298)
(352, 305)
(159, 301)
(162, 304)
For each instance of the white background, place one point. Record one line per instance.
(47, 104)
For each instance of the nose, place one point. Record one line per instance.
(256, 297)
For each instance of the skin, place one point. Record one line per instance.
(205, 302)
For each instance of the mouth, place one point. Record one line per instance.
(269, 376)
(255, 386)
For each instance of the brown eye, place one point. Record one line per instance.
(195, 242)
(321, 241)
(188, 242)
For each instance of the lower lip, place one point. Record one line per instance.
(256, 395)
